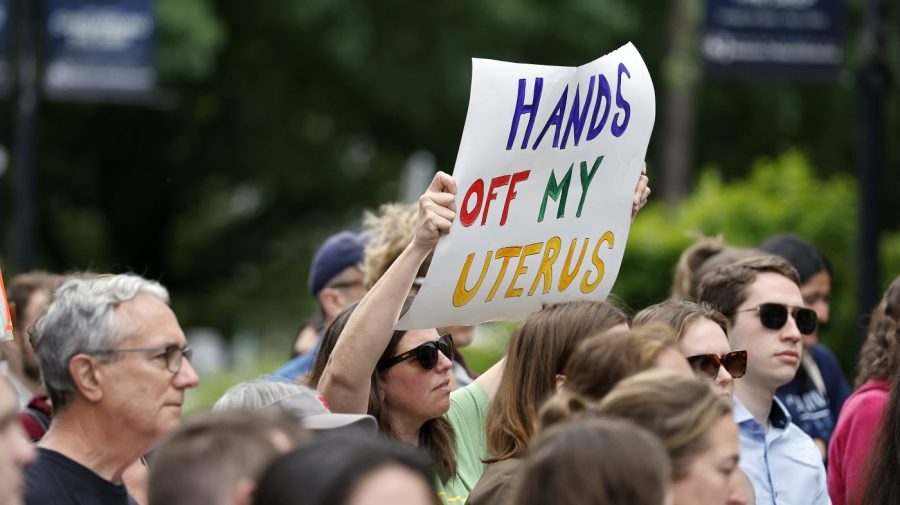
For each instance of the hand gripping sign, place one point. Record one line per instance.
(546, 171)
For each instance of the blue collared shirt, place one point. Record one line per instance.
(783, 463)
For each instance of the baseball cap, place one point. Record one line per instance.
(339, 251)
(312, 411)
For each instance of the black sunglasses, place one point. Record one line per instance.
(707, 365)
(775, 315)
(427, 353)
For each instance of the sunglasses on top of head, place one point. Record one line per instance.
(707, 365)
(426, 354)
(775, 315)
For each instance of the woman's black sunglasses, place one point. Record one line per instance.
(774, 316)
(707, 365)
(427, 353)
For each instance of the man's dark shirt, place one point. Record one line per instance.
(57, 480)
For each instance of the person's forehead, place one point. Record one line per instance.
(414, 338)
(351, 273)
(148, 321)
(704, 335)
(770, 287)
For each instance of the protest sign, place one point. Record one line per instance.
(546, 171)
(6, 326)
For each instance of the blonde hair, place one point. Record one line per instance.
(390, 230)
(680, 315)
(680, 410)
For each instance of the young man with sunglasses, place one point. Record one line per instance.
(761, 298)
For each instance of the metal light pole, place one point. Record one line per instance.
(873, 81)
(24, 139)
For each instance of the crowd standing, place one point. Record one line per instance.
(720, 395)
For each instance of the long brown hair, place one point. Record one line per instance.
(538, 352)
(878, 358)
(601, 362)
(436, 436)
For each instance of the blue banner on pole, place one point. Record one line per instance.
(100, 50)
(773, 38)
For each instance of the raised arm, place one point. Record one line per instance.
(346, 380)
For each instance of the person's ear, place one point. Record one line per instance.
(330, 301)
(560, 381)
(87, 376)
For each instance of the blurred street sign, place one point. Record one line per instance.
(773, 38)
(100, 50)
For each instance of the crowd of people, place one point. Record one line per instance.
(720, 395)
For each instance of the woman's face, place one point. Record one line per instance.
(816, 293)
(710, 478)
(392, 484)
(706, 337)
(412, 392)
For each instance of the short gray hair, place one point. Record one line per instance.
(257, 394)
(81, 320)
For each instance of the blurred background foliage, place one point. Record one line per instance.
(282, 120)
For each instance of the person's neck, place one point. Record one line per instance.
(83, 435)
(406, 430)
(756, 399)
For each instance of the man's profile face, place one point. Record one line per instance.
(139, 390)
(343, 290)
(15, 450)
(773, 355)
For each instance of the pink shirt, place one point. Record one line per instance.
(857, 426)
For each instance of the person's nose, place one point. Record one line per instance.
(444, 363)
(724, 378)
(187, 376)
(822, 310)
(790, 331)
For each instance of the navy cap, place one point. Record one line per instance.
(339, 252)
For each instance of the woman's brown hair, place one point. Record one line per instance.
(680, 410)
(601, 362)
(878, 358)
(436, 436)
(615, 463)
(538, 352)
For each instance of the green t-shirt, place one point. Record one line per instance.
(468, 414)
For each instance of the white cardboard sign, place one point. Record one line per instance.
(546, 171)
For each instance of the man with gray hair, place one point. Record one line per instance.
(116, 364)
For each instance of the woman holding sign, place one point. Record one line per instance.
(403, 377)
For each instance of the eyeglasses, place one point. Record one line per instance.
(774, 316)
(707, 365)
(427, 353)
(173, 354)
